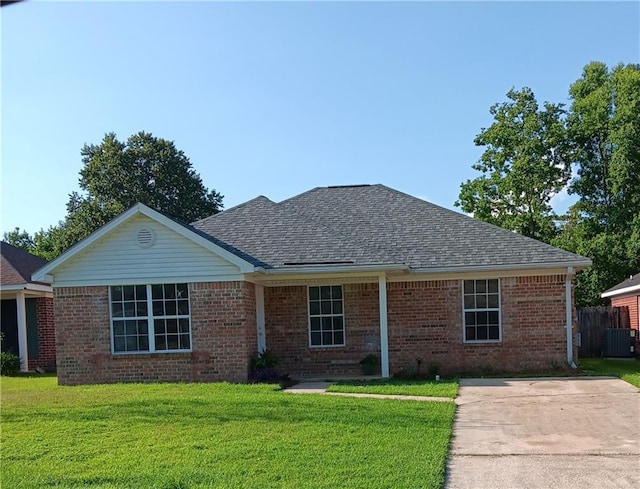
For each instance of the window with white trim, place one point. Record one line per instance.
(326, 316)
(150, 318)
(481, 306)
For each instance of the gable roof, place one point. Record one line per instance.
(229, 253)
(632, 284)
(364, 225)
(16, 265)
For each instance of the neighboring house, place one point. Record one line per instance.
(627, 294)
(26, 312)
(321, 279)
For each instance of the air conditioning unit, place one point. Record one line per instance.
(618, 343)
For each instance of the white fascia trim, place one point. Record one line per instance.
(577, 265)
(32, 287)
(150, 280)
(327, 269)
(40, 274)
(626, 290)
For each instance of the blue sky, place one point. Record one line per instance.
(276, 98)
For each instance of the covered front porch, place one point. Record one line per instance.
(321, 327)
(27, 325)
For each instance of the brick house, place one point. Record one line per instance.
(627, 294)
(321, 279)
(26, 311)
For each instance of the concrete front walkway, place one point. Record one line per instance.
(321, 388)
(546, 433)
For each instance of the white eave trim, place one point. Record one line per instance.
(49, 269)
(407, 271)
(27, 286)
(626, 290)
(577, 265)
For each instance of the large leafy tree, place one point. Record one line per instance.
(115, 176)
(525, 163)
(604, 224)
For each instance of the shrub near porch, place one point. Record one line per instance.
(215, 435)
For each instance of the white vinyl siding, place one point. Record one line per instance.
(118, 258)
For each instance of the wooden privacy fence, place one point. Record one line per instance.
(592, 321)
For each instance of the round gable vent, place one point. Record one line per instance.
(145, 237)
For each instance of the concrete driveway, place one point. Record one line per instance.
(546, 433)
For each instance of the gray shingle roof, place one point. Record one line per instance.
(630, 282)
(372, 225)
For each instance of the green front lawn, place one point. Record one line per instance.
(627, 370)
(215, 435)
(443, 388)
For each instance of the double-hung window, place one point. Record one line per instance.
(150, 318)
(326, 316)
(481, 305)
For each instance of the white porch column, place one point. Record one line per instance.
(384, 337)
(262, 335)
(22, 332)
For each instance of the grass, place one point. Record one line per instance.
(215, 435)
(627, 370)
(443, 388)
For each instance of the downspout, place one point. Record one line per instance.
(569, 317)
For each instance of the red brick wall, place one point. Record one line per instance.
(46, 335)
(424, 321)
(632, 304)
(634, 315)
(223, 337)
(287, 331)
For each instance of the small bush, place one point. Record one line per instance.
(264, 359)
(9, 363)
(262, 370)
(370, 359)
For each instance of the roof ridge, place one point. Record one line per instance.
(342, 236)
(315, 189)
(235, 207)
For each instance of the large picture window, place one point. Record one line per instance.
(150, 318)
(482, 310)
(326, 316)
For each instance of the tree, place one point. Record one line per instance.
(604, 126)
(144, 169)
(525, 163)
(20, 239)
(115, 176)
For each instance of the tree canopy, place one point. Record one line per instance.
(525, 163)
(115, 176)
(529, 156)
(604, 224)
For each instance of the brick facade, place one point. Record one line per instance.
(424, 321)
(223, 336)
(46, 358)
(632, 303)
(287, 331)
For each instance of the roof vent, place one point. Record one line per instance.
(145, 237)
